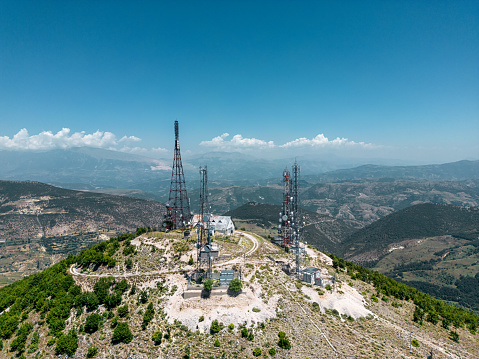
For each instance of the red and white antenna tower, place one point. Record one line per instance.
(178, 214)
(285, 215)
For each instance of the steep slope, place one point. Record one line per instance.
(320, 231)
(42, 223)
(415, 222)
(83, 307)
(432, 247)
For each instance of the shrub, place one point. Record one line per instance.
(92, 323)
(123, 311)
(215, 327)
(129, 263)
(51, 341)
(256, 352)
(250, 336)
(201, 318)
(67, 344)
(272, 351)
(454, 336)
(374, 298)
(92, 352)
(157, 336)
(328, 287)
(236, 285)
(149, 314)
(231, 327)
(415, 343)
(256, 310)
(217, 343)
(283, 342)
(244, 333)
(143, 296)
(122, 334)
(191, 261)
(316, 307)
(208, 284)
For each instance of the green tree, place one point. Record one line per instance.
(215, 327)
(236, 285)
(217, 343)
(129, 263)
(283, 341)
(148, 316)
(8, 325)
(191, 261)
(92, 352)
(122, 334)
(123, 311)
(92, 323)
(67, 344)
(272, 351)
(208, 284)
(157, 336)
(454, 336)
(143, 296)
(256, 352)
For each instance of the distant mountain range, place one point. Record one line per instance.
(98, 169)
(455, 171)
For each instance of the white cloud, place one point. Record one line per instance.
(64, 139)
(322, 141)
(130, 139)
(236, 142)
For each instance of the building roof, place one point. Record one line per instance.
(227, 274)
(310, 270)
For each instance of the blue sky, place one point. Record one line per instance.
(366, 79)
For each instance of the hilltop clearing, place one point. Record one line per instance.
(133, 296)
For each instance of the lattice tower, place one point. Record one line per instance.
(179, 214)
(285, 215)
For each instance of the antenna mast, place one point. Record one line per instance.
(295, 217)
(178, 214)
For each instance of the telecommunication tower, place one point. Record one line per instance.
(290, 219)
(204, 229)
(296, 220)
(204, 209)
(178, 207)
(285, 215)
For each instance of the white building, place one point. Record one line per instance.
(218, 224)
(222, 224)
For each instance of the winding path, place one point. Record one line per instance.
(253, 239)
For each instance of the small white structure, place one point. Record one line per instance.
(222, 224)
(219, 224)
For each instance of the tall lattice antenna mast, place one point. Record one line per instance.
(179, 214)
(204, 210)
(296, 220)
(285, 215)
